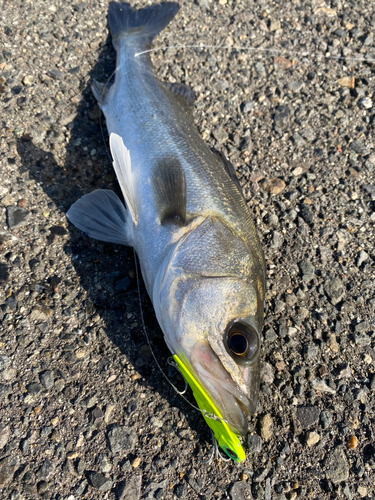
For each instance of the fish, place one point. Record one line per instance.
(186, 218)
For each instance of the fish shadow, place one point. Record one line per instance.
(106, 271)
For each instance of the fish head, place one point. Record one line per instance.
(208, 298)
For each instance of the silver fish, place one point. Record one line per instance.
(199, 252)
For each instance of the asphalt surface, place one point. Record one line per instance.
(85, 412)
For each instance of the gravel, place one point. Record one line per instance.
(85, 413)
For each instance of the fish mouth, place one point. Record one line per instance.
(233, 404)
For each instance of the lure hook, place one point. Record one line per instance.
(215, 452)
(171, 362)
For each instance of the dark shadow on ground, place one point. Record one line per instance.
(84, 171)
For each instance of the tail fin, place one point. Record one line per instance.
(147, 22)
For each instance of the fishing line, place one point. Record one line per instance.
(181, 394)
(258, 49)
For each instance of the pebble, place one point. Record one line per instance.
(247, 106)
(267, 373)
(240, 491)
(122, 440)
(265, 426)
(46, 379)
(362, 491)
(362, 257)
(17, 217)
(220, 135)
(337, 469)
(321, 386)
(352, 443)
(255, 443)
(4, 360)
(257, 491)
(295, 86)
(365, 103)
(131, 489)
(8, 467)
(273, 186)
(46, 469)
(34, 388)
(332, 343)
(359, 148)
(335, 290)
(98, 481)
(4, 435)
(307, 270)
(312, 438)
(308, 416)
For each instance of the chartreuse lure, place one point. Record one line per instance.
(227, 440)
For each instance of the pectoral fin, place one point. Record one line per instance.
(102, 216)
(122, 166)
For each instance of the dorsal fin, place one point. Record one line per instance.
(183, 94)
(229, 168)
(169, 185)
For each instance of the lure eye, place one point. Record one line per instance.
(242, 342)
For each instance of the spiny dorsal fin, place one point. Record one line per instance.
(122, 166)
(169, 185)
(229, 168)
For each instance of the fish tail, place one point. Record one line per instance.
(142, 25)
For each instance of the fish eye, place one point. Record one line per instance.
(242, 341)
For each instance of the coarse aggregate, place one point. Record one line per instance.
(286, 91)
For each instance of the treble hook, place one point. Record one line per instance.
(171, 362)
(214, 452)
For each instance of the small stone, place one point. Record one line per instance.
(347, 81)
(337, 466)
(365, 103)
(98, 481)
(240, 491)
(345, 372)
(335, 290)
(266, 427)
(4, 435)
(307, 270)
(277, 240)
(8, 467)
(220, 135)
(34, 388)
(308, 134)
(46, 469)
(96, 415)
(312, 438)
(306, 213)
(105, 464)
(255, 443)
(362, 491)
(131, 488)
(359, 148)
(273, 186)
(275, 25)
(56, 74)
(136, 462)
(332, 343)
(46, 378)
(28, 80)
(295, 86)
(4, 360)
(257, 491)
(155, 422)
(246, 144)
(321, 386)
(24, 445)
(352, 443)
(308, 416)
(17, 217)
(247, 106)
(122, 440)
(267, 373)
(362, 257)
(4, 391)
